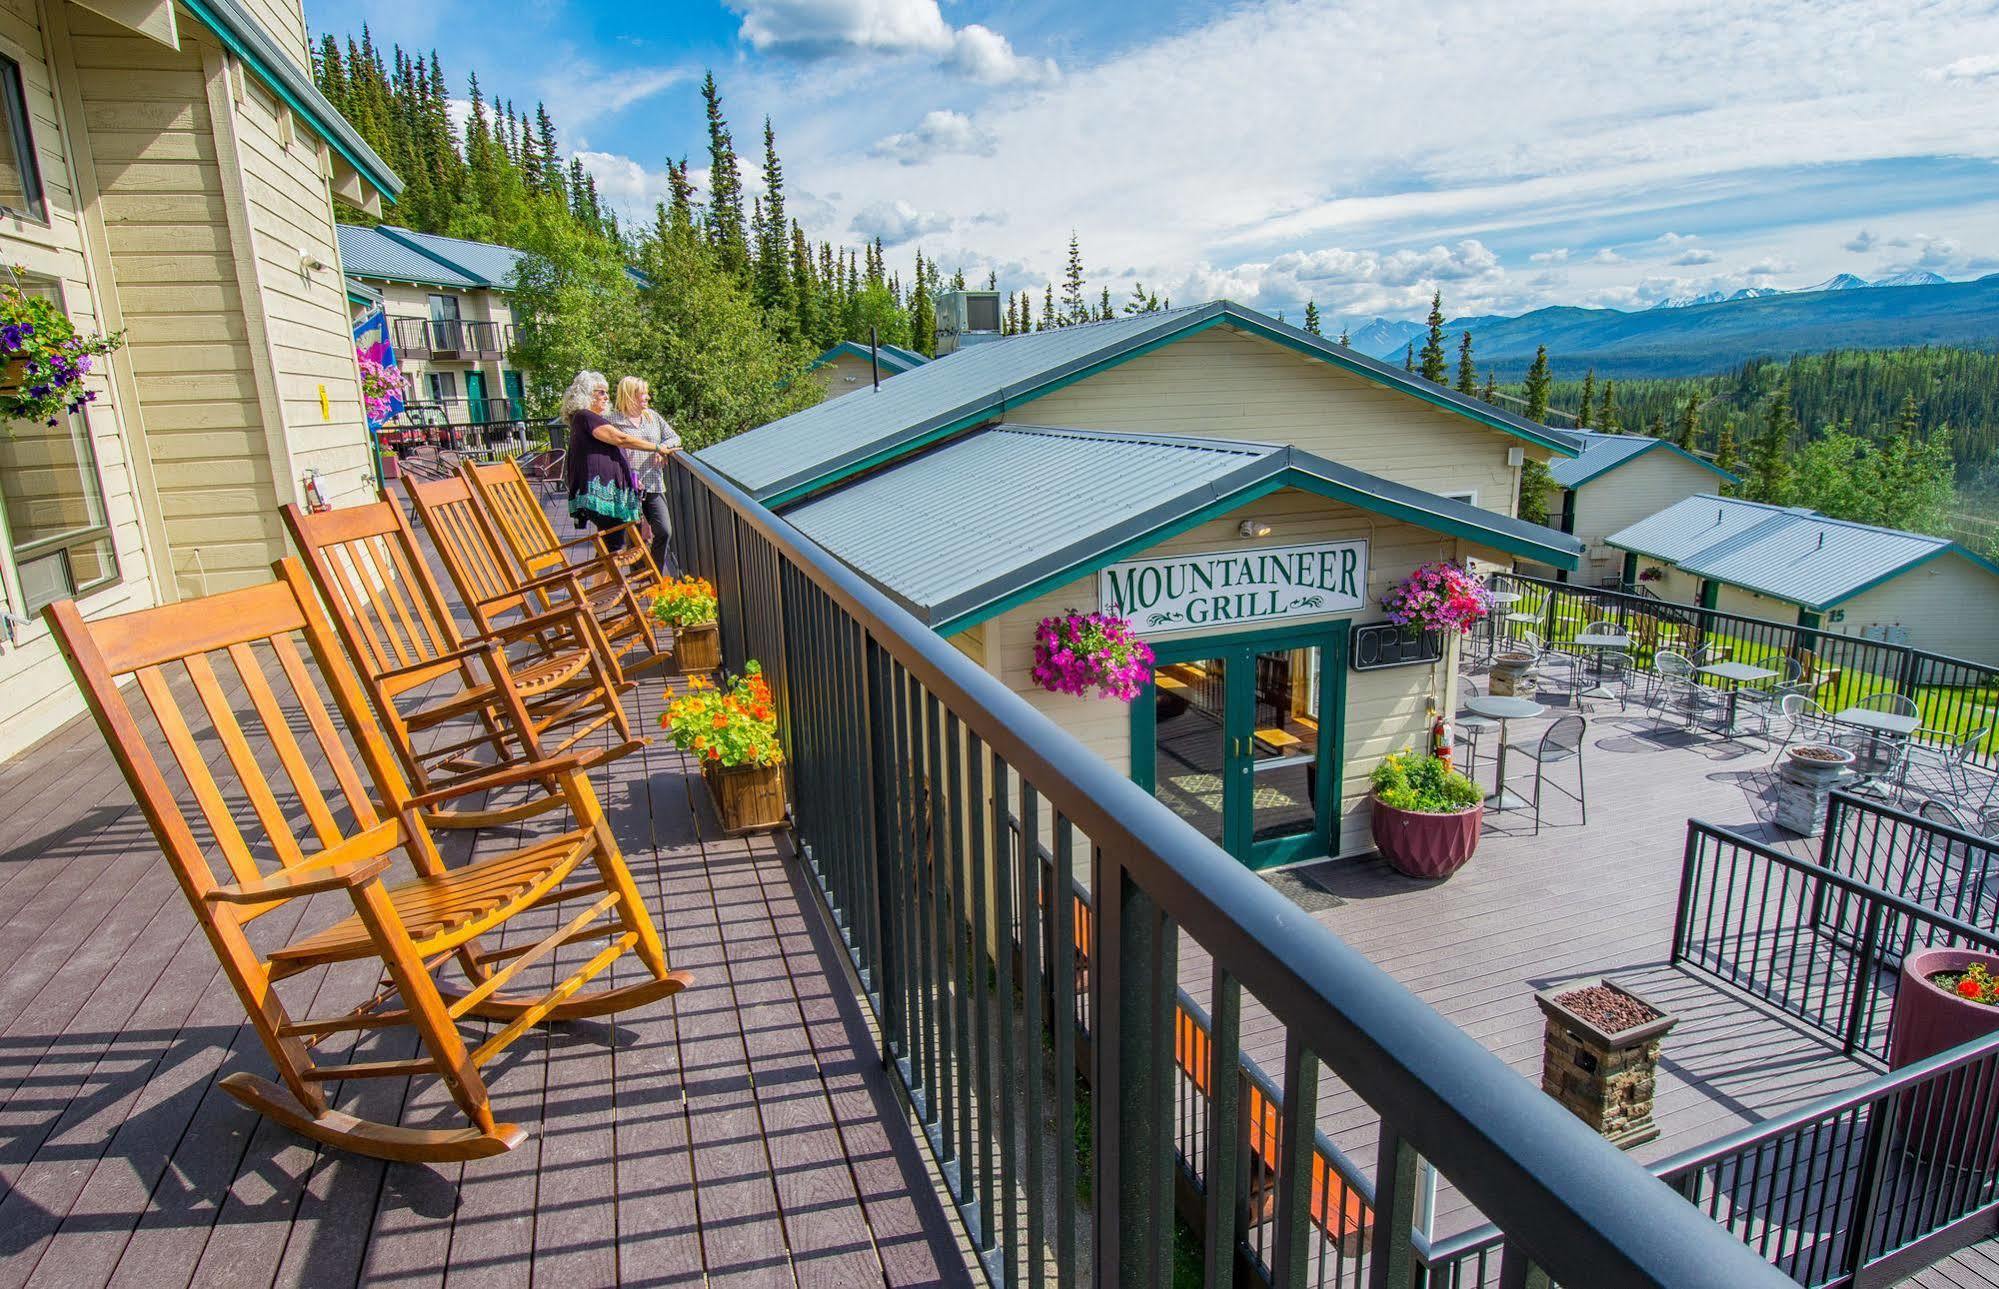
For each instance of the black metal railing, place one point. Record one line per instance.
(1956, 698)
(1815, 944)
(909, 766)
(1935, 865)
(447, 338)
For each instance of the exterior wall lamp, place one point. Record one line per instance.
(1252, 528)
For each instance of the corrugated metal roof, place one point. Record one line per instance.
(361, 293)
(367, 253)
(1790, 554)
(953, 532)
(490, 264)
(894, 359)
(813, 448)
(1602, 453)
(908, 356)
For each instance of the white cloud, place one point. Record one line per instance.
(627, 186)
(1676, 239)
(1862, 242)
(1771, 267)
(940, 133)
(1687, 259)
(583, 93)
(1606, 256)
(1977, 67)
(825, 28)
(897, 222)
(1560, 255)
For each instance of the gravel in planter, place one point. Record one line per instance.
(1610, 1010)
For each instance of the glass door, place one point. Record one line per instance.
(1240, 738)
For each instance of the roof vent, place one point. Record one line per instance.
(966, 318)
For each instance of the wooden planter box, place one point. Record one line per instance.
(1428, 846)
(748, 798)
(1604, 1078)
(697, 648)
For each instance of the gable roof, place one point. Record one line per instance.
(485, 261)
(1787, 553)
(815, 448)
(971, 528)
(1602, 453)
(370, 253)
(894, 358)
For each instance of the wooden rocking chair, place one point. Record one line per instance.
(495, 587)
(392, 617)
(345, 842)
(503, 488)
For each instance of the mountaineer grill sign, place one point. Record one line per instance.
(1228, 587)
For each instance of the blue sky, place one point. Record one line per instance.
(1359, 152)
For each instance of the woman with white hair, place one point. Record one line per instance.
(602, 491)
(634, 415)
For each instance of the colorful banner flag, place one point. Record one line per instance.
(381, 379)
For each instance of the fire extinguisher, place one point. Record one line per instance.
(315, 501)
(1440, 740)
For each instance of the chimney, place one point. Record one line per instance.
(966, 318)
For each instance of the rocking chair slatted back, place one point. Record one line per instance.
(509, 498)
(388, 607)
(475, 559)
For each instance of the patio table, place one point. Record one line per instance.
(1499, 600)
(1503, 709)
(1736, 673)
(1877, 725)
(1600, 641)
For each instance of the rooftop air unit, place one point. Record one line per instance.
(966, 318)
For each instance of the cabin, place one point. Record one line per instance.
(448, 305)
(1242, 491)
(1796, 565)
(849, 366)
(170, 172)
(1618, 480)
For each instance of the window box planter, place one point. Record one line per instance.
(697, 648)
(1423, 844)
(1929, 1019)
(748, 798)
(1600, 1057)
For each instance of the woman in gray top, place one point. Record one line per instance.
(634, 415)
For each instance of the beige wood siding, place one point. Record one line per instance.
(36, 691)
(1386, 710)
(1949, 605)
(1636, 490)
(1226, 384)
(846, 375)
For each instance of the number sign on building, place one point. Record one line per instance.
(1230, 588)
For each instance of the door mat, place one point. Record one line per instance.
(1303, 889)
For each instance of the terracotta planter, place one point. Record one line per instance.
(1428, 846)
(697, 648)
(748, 798)
(1928, 1019)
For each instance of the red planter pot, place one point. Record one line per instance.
(1426, 845)
(1928, 1020)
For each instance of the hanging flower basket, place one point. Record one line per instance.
(44, 358)
(1439, 596)
(732, 728)
(1079, 652)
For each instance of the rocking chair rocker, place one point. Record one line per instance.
(346, 842)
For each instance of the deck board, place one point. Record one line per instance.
(741, 1133)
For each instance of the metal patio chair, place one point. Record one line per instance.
(1560, 743)
(1470, 726)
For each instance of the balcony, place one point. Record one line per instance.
(895, 1066)
(448, 339)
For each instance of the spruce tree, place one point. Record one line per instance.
(1656, 427)
(804, 290)
(725, 187)
(1769, 478)
(1104, 310)
(680, 198)
(1491, 391)
(1433, 342)
(922, 314)
(1049, 318)
(1687, 434)
(1586, 412)
(1409, 357)
(771, 286)
(1467, 369)
(1538, 383)
(1726, 454)
(1074, 308)
(1346, 340)
(1606, 410)
(1312, 316)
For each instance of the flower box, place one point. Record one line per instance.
(697, 648)
(1600, 1056)
(748, 798)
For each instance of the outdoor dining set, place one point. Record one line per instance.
(1879, 737)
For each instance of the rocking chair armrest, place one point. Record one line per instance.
(567, 616)
(475, 649)
(556, 765)
(563, 574)
(311, 881)
(592, 537)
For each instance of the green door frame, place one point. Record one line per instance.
(475, 395)
(1238, 650)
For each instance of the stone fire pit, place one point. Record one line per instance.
(1601, 1057)
(1805, 780)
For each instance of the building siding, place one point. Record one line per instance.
(1225, 384)
(846, 374)
(1949, 605)
(1631, 492)
(1386, 711)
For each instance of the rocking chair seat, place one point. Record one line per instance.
(442, 913)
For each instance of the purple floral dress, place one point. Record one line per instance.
(601, 488)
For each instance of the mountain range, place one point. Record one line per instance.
(1702, 334)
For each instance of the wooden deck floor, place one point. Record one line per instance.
(741, 1134)
(1577, 901)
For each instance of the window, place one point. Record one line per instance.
(443, 386)
(53, 504)
(20, 174)
(444, 308)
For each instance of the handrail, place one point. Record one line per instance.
(1575, 1204)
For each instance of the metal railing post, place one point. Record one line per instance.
(1863, 975)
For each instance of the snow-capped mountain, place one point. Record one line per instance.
(1914, 277)
(1382, 336)
(1838, 282)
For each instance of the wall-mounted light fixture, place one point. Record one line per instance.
(1252, 528)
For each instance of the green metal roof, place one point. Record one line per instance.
(245, 37)
(972, 528)
(1602, 453)
(894, 358)
(811, 450)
